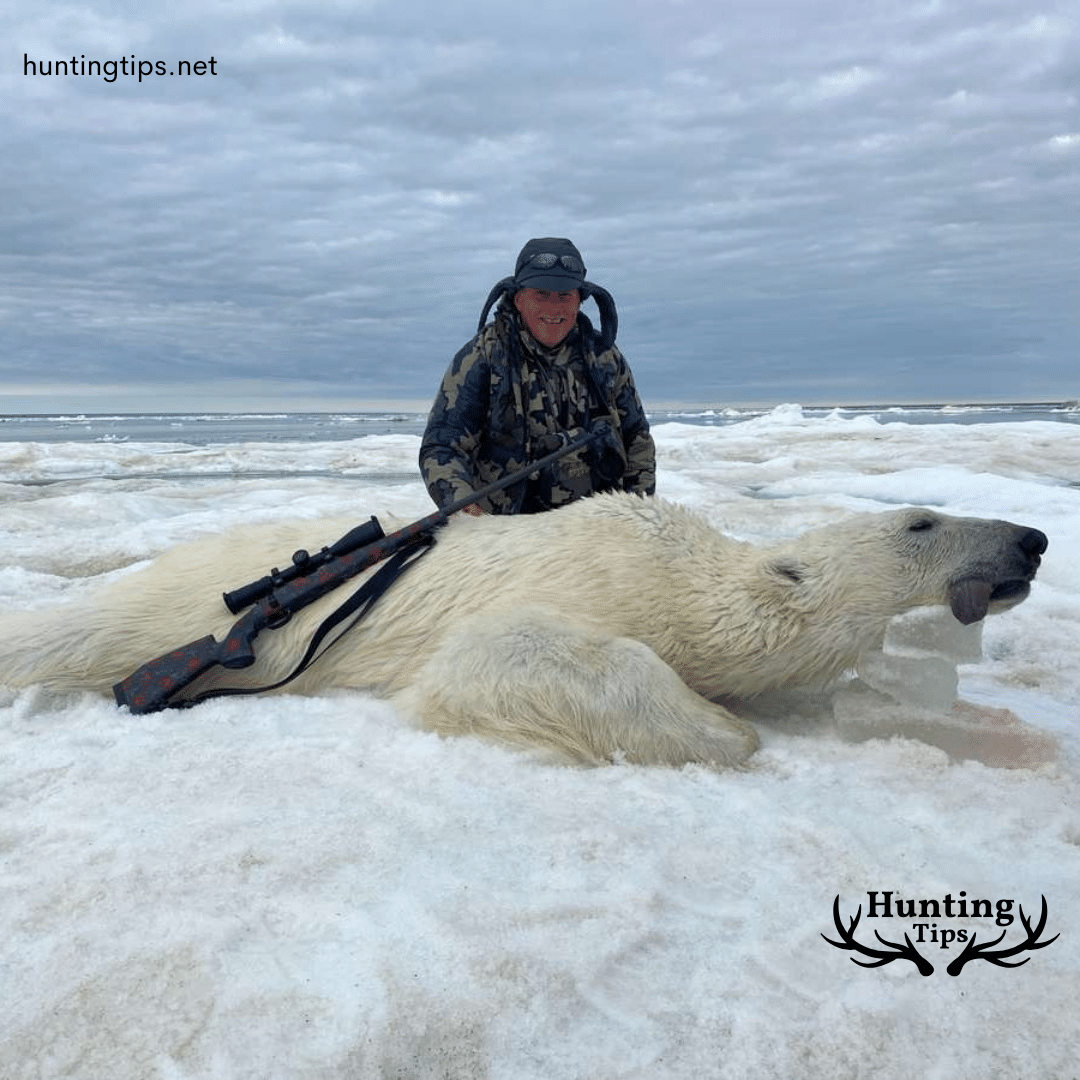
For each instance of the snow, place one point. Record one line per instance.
(307, 888)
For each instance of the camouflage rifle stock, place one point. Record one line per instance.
(272, 600)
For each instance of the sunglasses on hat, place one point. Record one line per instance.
(544, 260)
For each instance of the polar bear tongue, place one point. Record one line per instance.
(970, 599)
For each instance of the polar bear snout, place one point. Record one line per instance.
(1003, 582)
(1013, 554)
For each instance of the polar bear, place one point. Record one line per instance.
(609, 629)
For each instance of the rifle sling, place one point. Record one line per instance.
(359, 603)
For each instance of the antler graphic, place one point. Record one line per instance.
(982, 952)
(901, 952)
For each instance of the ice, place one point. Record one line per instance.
(932, 631)
(909, 689)
(307, 888)
(928, 682)
(965, 731)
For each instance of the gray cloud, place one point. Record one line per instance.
(853, 201)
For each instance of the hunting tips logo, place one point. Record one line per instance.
(924, 924)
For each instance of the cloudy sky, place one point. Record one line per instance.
(842, 201)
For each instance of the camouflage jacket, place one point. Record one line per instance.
(506, 400)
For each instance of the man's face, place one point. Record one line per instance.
(549, 316)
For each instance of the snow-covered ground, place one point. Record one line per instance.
(306, 888)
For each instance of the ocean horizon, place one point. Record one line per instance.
(203, 427)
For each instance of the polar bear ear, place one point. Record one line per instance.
(788, 570)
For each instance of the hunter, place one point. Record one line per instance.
(536, 376)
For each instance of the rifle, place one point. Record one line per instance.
(273, 600)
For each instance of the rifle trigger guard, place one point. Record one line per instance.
(277, 616)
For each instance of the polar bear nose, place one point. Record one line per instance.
(1033, 542)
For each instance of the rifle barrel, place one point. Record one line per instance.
(523, 473)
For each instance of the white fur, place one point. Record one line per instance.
(604, 630)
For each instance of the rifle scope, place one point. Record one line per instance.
(303, 563)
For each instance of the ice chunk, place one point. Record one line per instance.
(933, 631)
(928, 682)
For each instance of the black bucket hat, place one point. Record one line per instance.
(549, 263)
(554, 263)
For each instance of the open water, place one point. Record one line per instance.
(203, 429)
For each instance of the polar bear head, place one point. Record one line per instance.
(917, 556)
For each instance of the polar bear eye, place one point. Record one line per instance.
(921, 525)
(788, 570)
